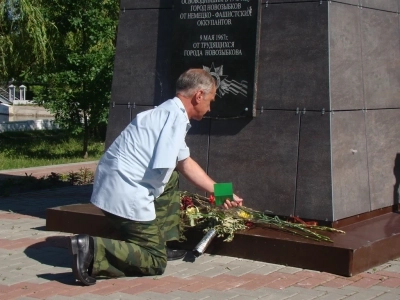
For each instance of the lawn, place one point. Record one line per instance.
(24, 149)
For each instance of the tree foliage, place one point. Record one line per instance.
(24, 38)
(66, 46)
(78, 84)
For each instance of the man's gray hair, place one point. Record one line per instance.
(193, 80)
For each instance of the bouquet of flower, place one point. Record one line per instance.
(199, 211)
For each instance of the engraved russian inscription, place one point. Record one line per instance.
(220, 36)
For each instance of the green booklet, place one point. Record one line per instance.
(223, 191)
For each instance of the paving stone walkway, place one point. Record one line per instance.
(35, 264)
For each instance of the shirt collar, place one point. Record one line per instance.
(179, 103)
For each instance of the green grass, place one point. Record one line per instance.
(24, 149)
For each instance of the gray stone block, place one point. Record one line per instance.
(314, 181)
(381, 58)
(387, 5)
(119, 117)
(349, 164)
(383, 144)
(259, 156)
(197, 140)
(142, 61)
(293, 60)
(346, 83)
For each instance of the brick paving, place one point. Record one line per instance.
(35, 264)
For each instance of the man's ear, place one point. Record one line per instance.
(198, 96)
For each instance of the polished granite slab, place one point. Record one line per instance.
(372, 241)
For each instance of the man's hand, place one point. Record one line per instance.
(237, 201)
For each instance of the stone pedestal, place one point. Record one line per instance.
(324, 143)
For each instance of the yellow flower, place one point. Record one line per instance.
(243, 214)
(191, 210)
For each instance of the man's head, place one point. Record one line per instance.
(197, 88)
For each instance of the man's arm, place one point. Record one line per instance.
(197, 176)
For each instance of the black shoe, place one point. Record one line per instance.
(173, 254)
(82, 258)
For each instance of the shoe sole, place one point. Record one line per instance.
(172, 259)
(74, 249)
(176, 258)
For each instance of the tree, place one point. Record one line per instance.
(24, 38)
(78, 83)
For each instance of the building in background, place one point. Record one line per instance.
(19, 113)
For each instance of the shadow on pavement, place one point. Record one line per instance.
(53, 252)
(16, 184)
(35, 203)
(65, 278)
(189, 257)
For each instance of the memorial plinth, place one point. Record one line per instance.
(323, 144)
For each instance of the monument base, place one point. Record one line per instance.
(365, 244)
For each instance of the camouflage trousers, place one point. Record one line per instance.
(142, 249)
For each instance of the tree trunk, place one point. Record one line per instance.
(85, 135)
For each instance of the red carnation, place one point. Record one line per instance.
(186, 202)
(212, 199)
